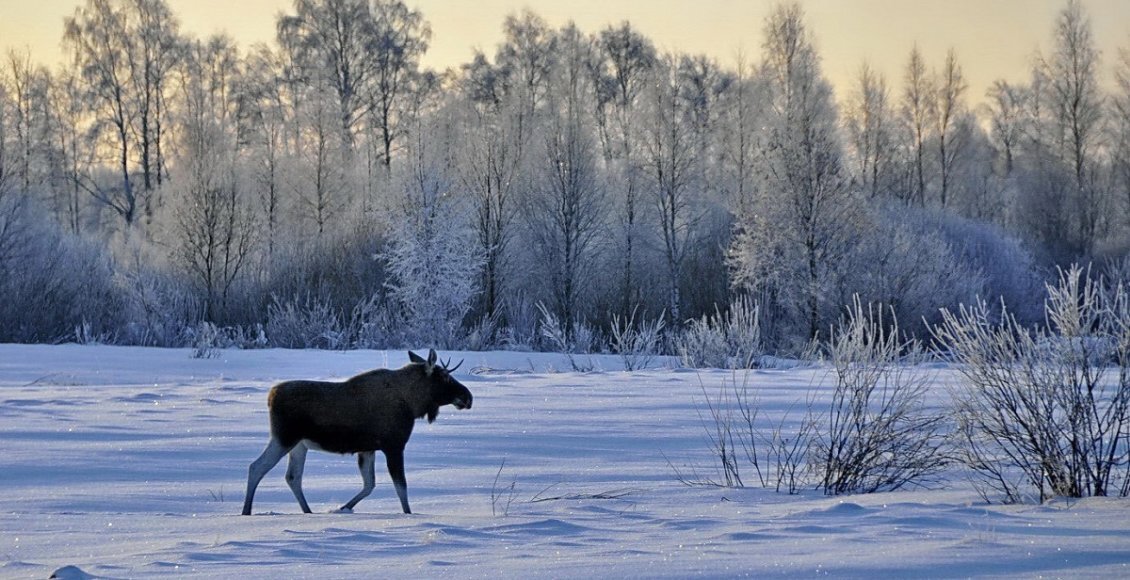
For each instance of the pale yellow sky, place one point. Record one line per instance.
(993, 38)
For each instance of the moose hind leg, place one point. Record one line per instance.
(294, 469)
(268, 459)
(365, 462)
(395, 461)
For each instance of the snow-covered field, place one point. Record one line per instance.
(131, 462)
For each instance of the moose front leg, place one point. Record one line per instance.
(365, 462)
(395, 460)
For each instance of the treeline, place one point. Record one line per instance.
(327, 191)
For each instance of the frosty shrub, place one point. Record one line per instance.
(902, 261)
(1046, 412)
(724, 340)
(434, 278)
(372, 325)
(84, 334)
(879, 435)
(303, 323)
(637, 342)
(243, 337)
(483, 334)
(1007, 269)
(434, 257)
(206, 340)
(157, 307)
(571, 339)
(521, 330)
(778, 456)
(51, 281)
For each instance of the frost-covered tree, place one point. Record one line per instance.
(952, 132)
(21, 80)
(1075, 103)
(566, 210)
(1062, 201)
(1120, 132)
(125, 51)
(741, 112)
(795, 235)
(626, 60)
(671, 159)
(1006, 105)
(320, 187)
(916, 109)
(263, 102)
(214, 227)
(99, 39)
(492, 171)
(159, 49)
(328, 39)
(526, 59)
(432, 258)
(70, 151)
(869, 119)
(399, 38)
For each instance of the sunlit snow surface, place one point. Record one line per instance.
(131, 463)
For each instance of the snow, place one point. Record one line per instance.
(125, 462)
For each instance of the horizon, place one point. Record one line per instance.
(1000, 43)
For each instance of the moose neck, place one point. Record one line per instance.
(419, 397)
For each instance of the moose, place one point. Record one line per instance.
(373, 411)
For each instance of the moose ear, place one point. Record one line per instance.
(431, 357)
(413, 357)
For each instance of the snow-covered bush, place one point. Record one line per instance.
(521, 330)
(730, 339)
(306, 322)
(878, 434)
(158, 309)
(206, 341)
(373, 325)
(568, 339)
(433, 257)
(903, 262)
(434, 278)
(637, 342)
(1043, 412)
(1007, 271)
(51, 282)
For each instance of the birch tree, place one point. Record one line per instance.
(1076, 106)
(791, 241)
(399, 39)
(870, 127)
(669, 154)
(951, 134)
(101, 44)
(629, 58)
(566, 211)
(214, 222)
(917, 108)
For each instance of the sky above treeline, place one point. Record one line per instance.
(993, 39)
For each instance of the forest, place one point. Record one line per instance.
(576, 190)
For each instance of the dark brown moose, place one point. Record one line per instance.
(373, 411)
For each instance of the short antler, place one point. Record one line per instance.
(447, 365)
